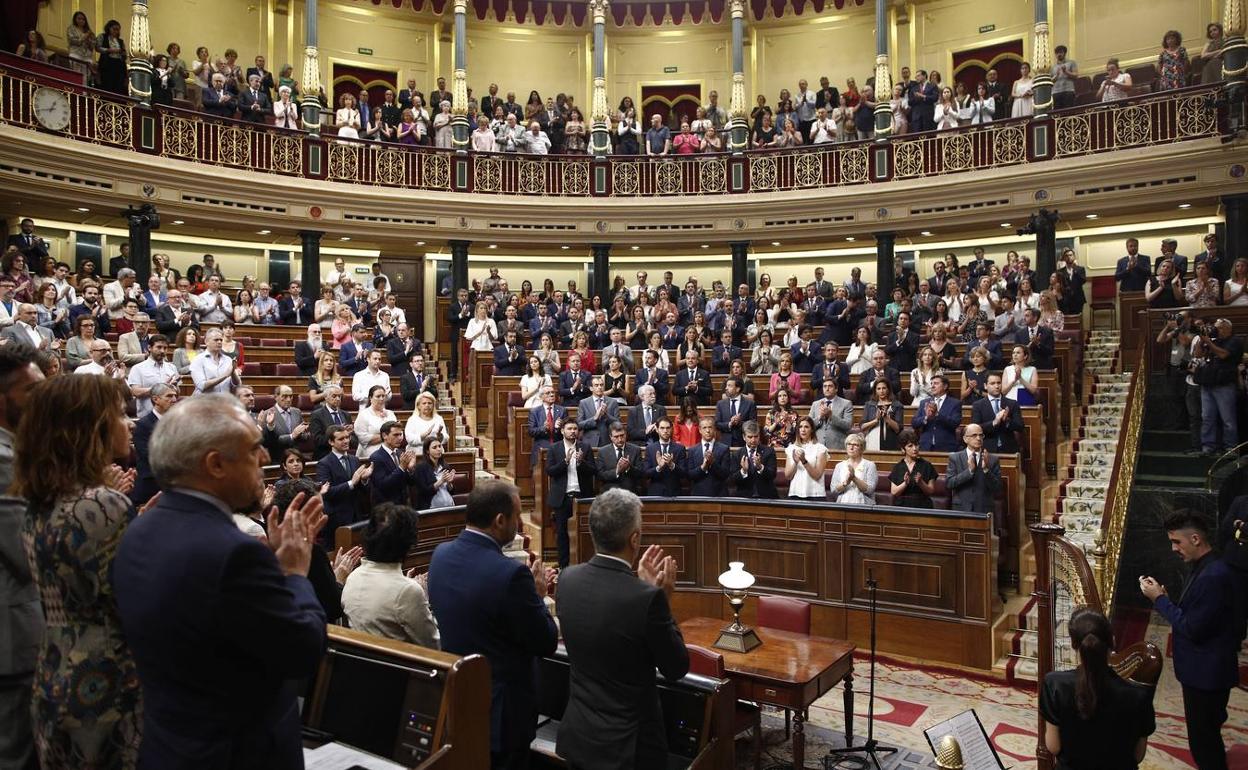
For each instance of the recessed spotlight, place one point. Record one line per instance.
(775, 243)
(420, 243)
(263, 232)
(706, 245)
(565, 247)
(82, 209)
(851, 239)
(635, 248)
(492, 246)
(345, 238)
(1005, 224)
(1092, 216)
(178, 222)
(1185, 205)
(925, 233)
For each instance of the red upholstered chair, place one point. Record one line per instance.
(288, 370)
(270, 342)
(1104, 296)
(784, 614)
(746, 716)
(251, 370)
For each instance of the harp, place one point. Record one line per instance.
(1064, 583)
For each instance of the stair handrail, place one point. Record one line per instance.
(1114, 516)
(1232, 454)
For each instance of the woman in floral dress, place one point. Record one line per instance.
(85, 705)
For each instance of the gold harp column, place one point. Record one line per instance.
(883, 76)
(600, 123)
(738, 128)
(140, 66)
(459, 80)
(1042, 61)
(309, 99)
(1234, 61)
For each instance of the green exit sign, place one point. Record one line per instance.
(982, 30)
(669, 70)
(369, 51)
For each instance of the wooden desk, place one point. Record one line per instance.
(789, 670)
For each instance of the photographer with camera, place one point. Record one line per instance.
(1218, 378)
(1182, 391)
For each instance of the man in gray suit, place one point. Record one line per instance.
(132, 346)
(644, 416)
(833, 415)
(24, 330)
(283, 424)
(20, 613)
(616, 347)
(973, 476)
(595, 414)
(619, 463)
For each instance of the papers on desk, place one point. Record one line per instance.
(978, 753)
(338, 756)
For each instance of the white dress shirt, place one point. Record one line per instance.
(205, 368)
(145, 374)
(208, 310)
(574, 482)
(363, 381)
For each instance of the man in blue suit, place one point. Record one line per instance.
(393, 475)
(693, 380)
(220, 624)
(651, 374)
(1038, 339)
(546, 422)
(293, 309)
(488, 604)
(346, 477)
(509, 358)
(938, 418)
(733, 411)
(353, 356)
(1208, 627)
(1132, 271)
(707, 463)
(923, 96)
(163, 397)
(573, 382)
(665, 462)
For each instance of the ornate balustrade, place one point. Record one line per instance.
(1156, 119)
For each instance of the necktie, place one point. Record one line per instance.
(996, 405)
(346, 464)
(419, 381)
(663, 449)
(734, 407)
(336, 417)
(706, 450)
(143, 344)
(649, 415)
(597, 403)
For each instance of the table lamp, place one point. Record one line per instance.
(736, 637)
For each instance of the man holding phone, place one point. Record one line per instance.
(102, 361)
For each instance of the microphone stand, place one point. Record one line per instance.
(871, 748)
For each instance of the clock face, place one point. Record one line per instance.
(51, 108)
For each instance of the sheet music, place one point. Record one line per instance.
(338, 756)
(977, 750)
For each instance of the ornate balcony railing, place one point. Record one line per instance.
(1168, 117)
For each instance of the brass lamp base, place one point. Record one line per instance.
(737, 638)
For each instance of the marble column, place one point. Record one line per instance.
(310, 265)
(460, 129)
(1235, 211)
(740, 266)
(601, 287)
(885, 264)
(140, 67)
(883, 76)
(141, 222)
(599, 110)
(738, 111)
(1042, 61)
(310, 86)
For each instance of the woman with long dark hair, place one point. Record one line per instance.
(1093, 719)
(112, 64)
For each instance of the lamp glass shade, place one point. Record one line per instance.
(736, 578)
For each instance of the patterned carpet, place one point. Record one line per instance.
(909, 699)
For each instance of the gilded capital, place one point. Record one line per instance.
(1232, 18)
(598, 10)
(736, 9)
(461, 6)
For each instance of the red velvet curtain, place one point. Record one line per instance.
(17, 17)
(971, 66)
(349, 79)
(622, 11)
(671, 103)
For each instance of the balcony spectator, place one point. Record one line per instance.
(162, 80)
(378, 130)
(347, 118)
(983, 107)
(828, 97)
(1202, 290)
(1235, 290)
(864, 114)
(111, 67)
(822, 128)
(765, 135)
(575, 132)
(1022, 95)
(1132, 272)
(790, 135)
(715, 113)
(686, 142)
(629, 132)
(658, 137)
(1219, 263)
(1172, 63)
(963, 102)
(411, 132)
(946, 113)
(442, 133)
(922, 97)
(285, 111)
(1165, 290)
(1116, 84)
(756, 114)
(202, 68)
(900, 108)
(843, 116)
(81, 42)
(507, 133)
(1064, 72)
(286, 77)
(534, 141)
(1210, 57)
(254, 102)
(422, 116)
(218, 100)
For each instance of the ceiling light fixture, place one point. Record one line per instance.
(492, 246)
(635, 248)
(1005, 224)
(82, 209)
(1092, 216)
(706, 245)
(263, 232)
(925, 233)
(851, 239)
(179, 222)
(345, 238)
(1185, 205)
(565, 247)
(775, 243)
(420, 243)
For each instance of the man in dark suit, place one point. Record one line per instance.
(693, 380)
(392, 467)
(756, 473)
(1219, 264)
(643, 417)
(1207, 625)
(219, 623)
(489, 101)
(266, 77)
(706, 462)
(458, 314)
(293, 309)
(938, 418)
(996, 91)
(723, 354)
(813, 304)
(574, 382)
(1074, 276)
(979, 266)
(1000, 418)
(1133, 272)
(121, 261)
(879, 368)
(923, 97)
(401, 348)
(1168, 248)
(492, 605)
(651, 374)
(570, 474)
(823, 289)
(219, 100)
(28, 243)
(937, 282)
(546, 422)
(985, 340)
(830, 367)
(665, 462)
(614, 718)
(416, 381)
(353, 355)
(596, 413)
(973, 475)
(733, 411)
(619, 463)
(1037, 339)
(163, 396)
(326, 416)
(254, 103)
(509, 358)
(347, 478)
(282, 424)
(806, 351)
(902, 344)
